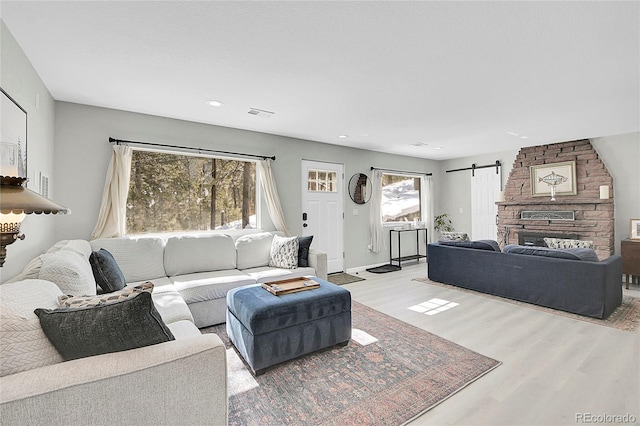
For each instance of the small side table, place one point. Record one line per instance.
(630, 259)
(415, 256)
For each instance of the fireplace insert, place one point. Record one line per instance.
(537, 238)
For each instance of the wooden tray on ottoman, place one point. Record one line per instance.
(291, 285)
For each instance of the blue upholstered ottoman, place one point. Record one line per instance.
(268, 329)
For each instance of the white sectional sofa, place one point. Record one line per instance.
(191, 276)
(178, 382)
(193, 273)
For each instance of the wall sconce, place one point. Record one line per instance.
(16, 202)
(604, 192)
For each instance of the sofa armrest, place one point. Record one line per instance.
(318, 261)
(181, 382)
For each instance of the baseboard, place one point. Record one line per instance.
(363, 268)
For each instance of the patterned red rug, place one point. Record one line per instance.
(394, 374)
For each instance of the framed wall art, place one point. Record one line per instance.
(635, 229)
(553, 179)
(13, 137)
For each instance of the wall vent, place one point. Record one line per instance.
(260, 113)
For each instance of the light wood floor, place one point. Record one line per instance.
(554, 368)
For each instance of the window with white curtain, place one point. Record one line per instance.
(402, 198)
(178, 192)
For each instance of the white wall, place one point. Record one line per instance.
(20, 80)
(454, 191)
(621, 155)
(82, 155)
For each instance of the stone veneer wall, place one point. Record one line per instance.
(594, 218)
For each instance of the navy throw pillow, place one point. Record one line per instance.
(304, 244)
(106, 271)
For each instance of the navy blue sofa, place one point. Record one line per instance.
(592, 289)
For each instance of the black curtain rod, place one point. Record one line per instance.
(474, 167)
(401, 171)
(239, 154)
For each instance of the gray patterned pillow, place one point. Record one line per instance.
(104, 299)
(455, 236)
(560, 243)
(284, 252)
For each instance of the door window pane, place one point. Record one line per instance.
(322, 181)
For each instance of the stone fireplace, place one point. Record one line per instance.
(523, 218)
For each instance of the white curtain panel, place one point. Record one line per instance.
(375, 216)
(112, 218)
(272, 198)
(429, 196)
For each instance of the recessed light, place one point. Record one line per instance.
(215, 103)
(437, 147)
(512, 134)
(343, 136)
(524, 137)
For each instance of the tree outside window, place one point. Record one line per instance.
(401, 198)
(170, 192)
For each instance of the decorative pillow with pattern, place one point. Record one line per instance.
(455, 236)
(284, 252)
(560, 243)
(104, 299)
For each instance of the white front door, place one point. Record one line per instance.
(322, 210)
(485, 186)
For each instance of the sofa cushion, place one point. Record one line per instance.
(204, 286)
(139, 259)
(191, 254)
(561, 243)
(304, 245)
(253, 250)
(24, 345)
(104, 299)
(70, 271)
(490, 245)
(83, 332)
(284, 252)
(572, 254)
(455, 236)
(106, 271)
(267, 273)
(81, 247)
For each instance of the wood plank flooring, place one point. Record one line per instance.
(555, 369)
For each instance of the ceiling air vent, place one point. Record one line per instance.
(260, 113)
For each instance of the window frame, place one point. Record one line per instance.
(422, 198)
(190, 152)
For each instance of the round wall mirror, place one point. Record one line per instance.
(360, 188)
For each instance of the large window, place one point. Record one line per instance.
(170, 192)
(401, 198)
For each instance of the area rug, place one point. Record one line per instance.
(395, 373)
(625, 317)
(341, 278)
(384, 269)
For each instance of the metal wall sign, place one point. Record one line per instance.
(547, 215)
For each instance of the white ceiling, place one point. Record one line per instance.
(469, 77)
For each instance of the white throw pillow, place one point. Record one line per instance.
(254, 250)
(455, 236)
(284, 252)
(23, 343)
(560, 243)
(70, 271)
